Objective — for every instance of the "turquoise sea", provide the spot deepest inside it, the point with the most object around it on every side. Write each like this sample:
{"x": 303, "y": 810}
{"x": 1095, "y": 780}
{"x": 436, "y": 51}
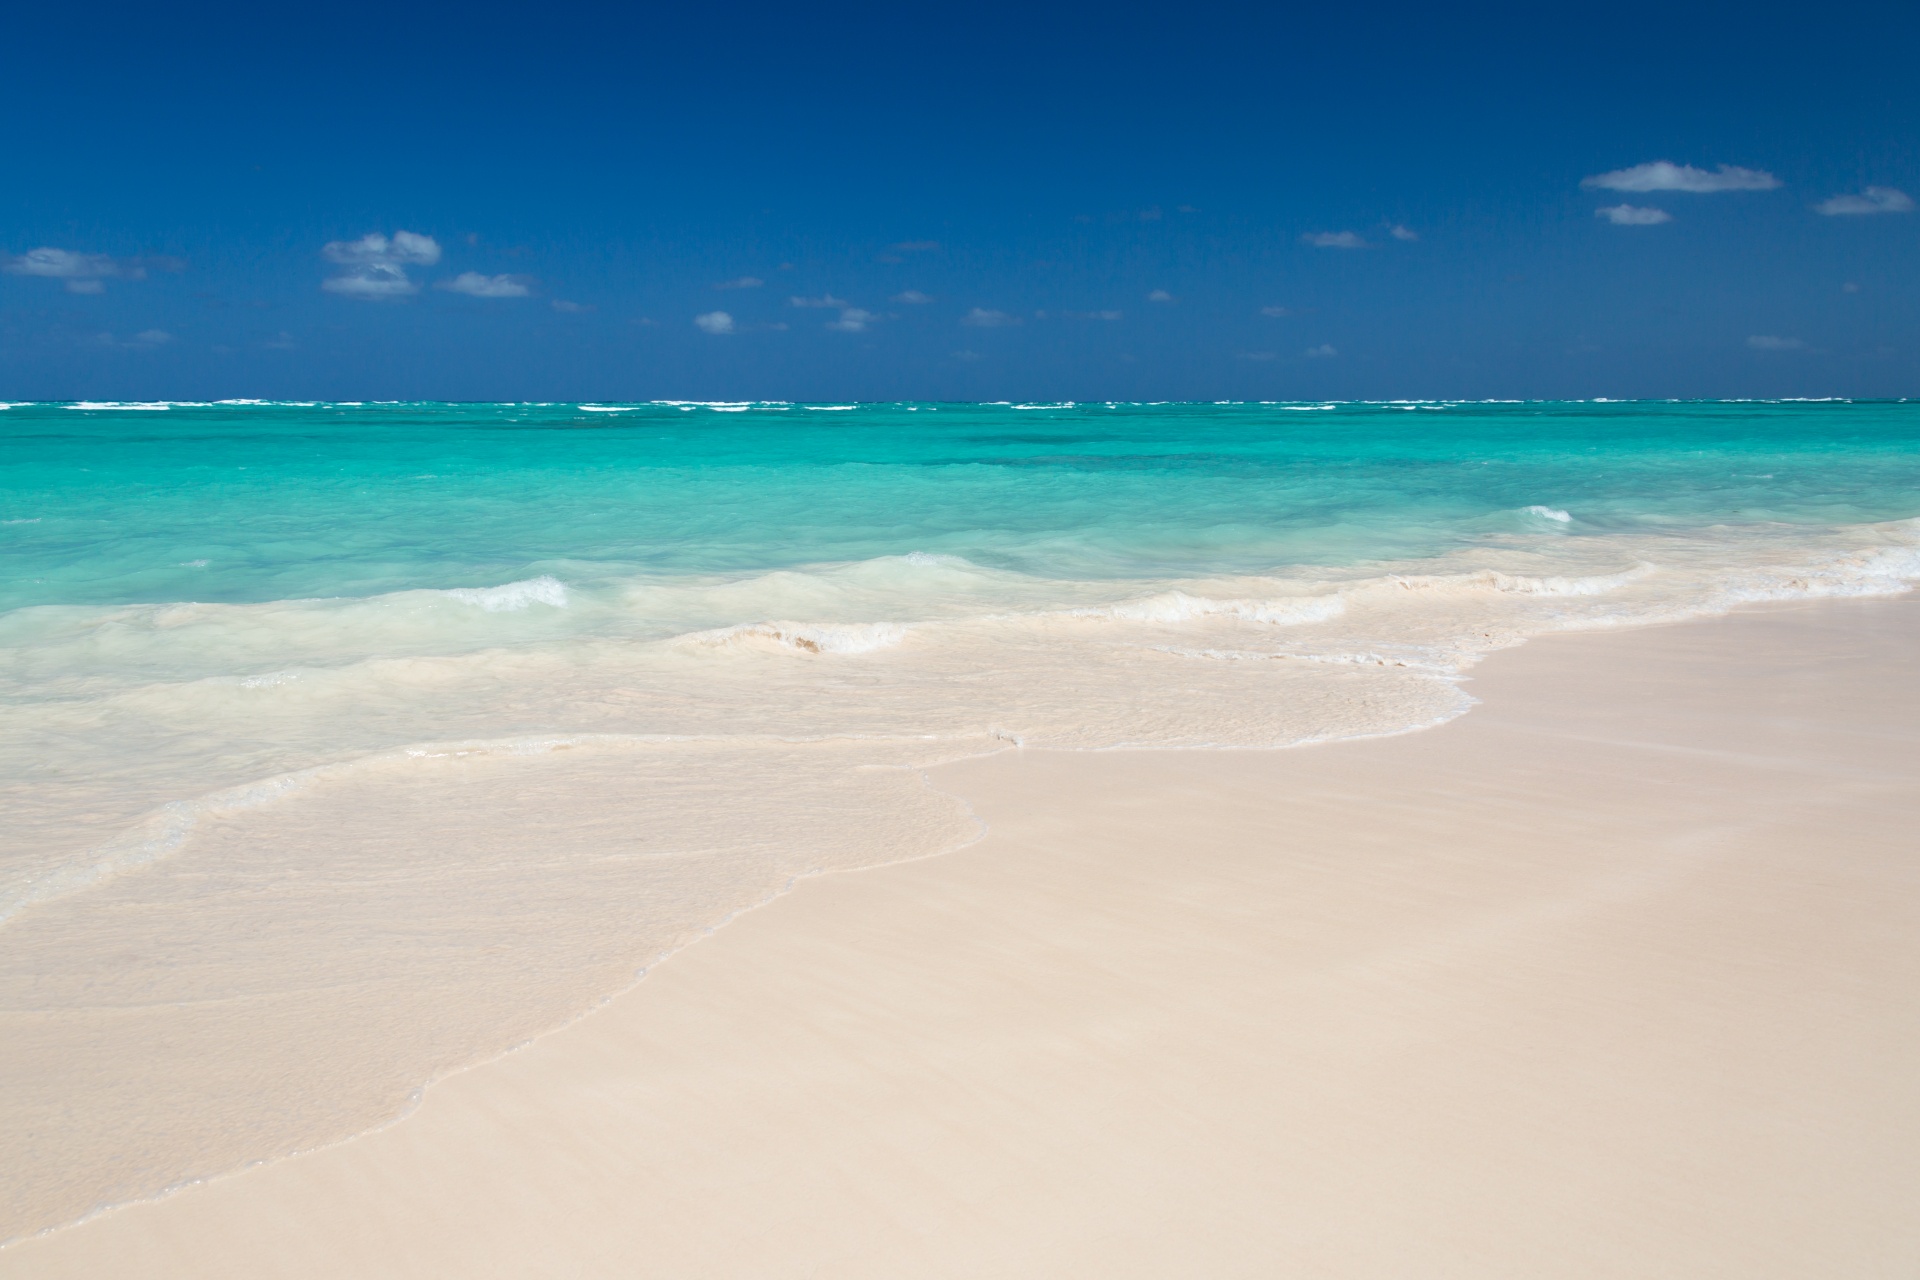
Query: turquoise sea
{"x": 239, "y": 503}
{"x": 367, "y": 740}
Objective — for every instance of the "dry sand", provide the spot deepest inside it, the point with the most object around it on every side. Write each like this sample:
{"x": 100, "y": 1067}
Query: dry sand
{"x": 1617, "y": 976}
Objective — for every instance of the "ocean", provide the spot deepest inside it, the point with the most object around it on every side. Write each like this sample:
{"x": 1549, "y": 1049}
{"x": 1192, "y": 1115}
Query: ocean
{"x": 350, "y": 744}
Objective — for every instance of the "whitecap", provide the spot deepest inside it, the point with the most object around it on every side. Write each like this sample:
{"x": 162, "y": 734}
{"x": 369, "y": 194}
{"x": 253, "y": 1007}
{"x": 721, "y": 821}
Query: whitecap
{"x": 1548, "y": 513}
{"x": 116, "y": 404}
{"x": 513, "y": 596}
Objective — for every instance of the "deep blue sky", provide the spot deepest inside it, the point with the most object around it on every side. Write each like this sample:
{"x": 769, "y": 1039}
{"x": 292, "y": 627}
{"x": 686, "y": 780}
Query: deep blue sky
{"x": 1052, "y": 169}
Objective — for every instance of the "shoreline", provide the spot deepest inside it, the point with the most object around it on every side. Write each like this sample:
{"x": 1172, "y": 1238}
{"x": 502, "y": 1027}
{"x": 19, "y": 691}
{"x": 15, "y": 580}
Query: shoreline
{"x": 317, "y": 1203}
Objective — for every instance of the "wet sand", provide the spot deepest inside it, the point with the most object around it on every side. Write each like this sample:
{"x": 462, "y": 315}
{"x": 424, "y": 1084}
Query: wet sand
{"x": 1619, "y": 975}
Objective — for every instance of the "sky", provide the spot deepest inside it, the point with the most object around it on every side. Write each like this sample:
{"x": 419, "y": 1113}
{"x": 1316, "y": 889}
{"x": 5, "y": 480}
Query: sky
{"x": 974, "y": 202}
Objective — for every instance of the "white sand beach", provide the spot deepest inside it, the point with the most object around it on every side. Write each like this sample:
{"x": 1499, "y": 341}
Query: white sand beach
{"x": 1618, "y": 975}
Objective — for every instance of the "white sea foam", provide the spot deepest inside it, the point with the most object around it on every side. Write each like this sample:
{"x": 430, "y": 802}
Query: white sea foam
{"x": 158, "y": 405}
{"x": 1513, "y": 583}
{"x": 805, "y": 637}
{"x": 1178, "y": 606}
{"x": 1548, "y": 513}
{"x": 513, "y": 596}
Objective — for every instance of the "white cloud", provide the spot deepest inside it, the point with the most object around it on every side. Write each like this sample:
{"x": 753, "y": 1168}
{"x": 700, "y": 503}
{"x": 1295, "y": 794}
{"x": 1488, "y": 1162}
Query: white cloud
{"x": 373, "y": 280}
{"x": 913, "y": 297}
{"x": 409, "y": 247}
{"x": 1096, "y": 315}
{"x": 475, "y": 285}
{"x": 852, "y": 320}
{"x": 62, "y": 264}
{"x": 562, "y": 304}
{"x": 1399, "y": 232}
{"x": 1664, "y": 175}
{"x": 83, "y": 272}
{"x": 1333, "y": 240}
{"x": 987, "y": 318}
{"x": 743, "y": 282}
{"x": 1870, "y": 200}
{"x": 1275, "y": 312}
{"x": 1767, "y": 342}
{"x": 715, "y": 322}
{"x": 145, "y": 340}
{"x": 824, "y": 300}
{"x": 1324, "y": 351}
{"x": 1159, "y": 295}
{"x": 1628, "y": 215}
{"x": 377, "y": 266}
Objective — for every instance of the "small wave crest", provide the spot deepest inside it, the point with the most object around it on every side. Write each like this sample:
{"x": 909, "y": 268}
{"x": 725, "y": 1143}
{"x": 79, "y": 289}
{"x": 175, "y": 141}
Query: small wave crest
{"x": 1549, "y": 513}
{"x": 1879, "y": 572}
{"x": 512, "y": 597}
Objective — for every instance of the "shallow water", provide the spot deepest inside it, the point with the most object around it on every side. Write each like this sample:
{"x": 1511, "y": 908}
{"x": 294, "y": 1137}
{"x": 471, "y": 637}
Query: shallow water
{"x": 346, "y": 745}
